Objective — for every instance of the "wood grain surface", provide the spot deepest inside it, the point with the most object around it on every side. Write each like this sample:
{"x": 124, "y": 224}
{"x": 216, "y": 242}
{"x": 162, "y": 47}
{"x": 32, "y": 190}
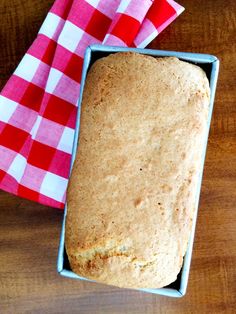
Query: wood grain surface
{"x": 29, "y": 232}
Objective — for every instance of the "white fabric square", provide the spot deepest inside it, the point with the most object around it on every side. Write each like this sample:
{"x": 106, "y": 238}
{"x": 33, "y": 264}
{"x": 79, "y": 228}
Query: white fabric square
{"x": 17, "y": 167}
{"x": 7, "y": 108}
{"x": 34, "y": 130}
{"x": 53, "y": 186}
{"x": 53, "y": 79}
{"x": 94, "y": 3}
{"x": 123, "y": 5}
{"x": 50, "y": 25}
{"x": 66, "y": 140}
{"x": 70, "y": 36}
{"x": 148, "y": 39}
{"x": 27, "y": 67}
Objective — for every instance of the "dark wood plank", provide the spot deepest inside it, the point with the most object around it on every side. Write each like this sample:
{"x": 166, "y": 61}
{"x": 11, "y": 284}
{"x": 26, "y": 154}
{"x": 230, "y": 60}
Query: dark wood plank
{"x": 29, "y": 232}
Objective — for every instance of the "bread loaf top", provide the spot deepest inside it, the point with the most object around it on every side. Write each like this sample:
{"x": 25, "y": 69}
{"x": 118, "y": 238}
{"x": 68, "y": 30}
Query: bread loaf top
{"x": 132, "y": 192}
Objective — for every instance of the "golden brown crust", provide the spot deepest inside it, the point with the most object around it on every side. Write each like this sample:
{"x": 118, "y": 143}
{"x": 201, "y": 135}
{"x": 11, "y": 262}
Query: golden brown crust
{"x": 132, "y": 192}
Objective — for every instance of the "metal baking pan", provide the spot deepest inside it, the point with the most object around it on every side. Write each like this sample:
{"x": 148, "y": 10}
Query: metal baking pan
{"x": 210, "y": 64}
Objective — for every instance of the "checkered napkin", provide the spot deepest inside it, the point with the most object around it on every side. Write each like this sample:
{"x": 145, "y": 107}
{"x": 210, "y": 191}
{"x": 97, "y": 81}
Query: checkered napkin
{"x": 38, "y": 105}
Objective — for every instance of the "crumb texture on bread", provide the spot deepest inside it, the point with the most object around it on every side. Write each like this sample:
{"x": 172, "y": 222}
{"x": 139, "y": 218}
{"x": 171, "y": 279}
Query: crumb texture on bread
{"x": 131, "y": 195}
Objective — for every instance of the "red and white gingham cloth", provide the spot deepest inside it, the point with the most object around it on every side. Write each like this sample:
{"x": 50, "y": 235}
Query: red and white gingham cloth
{"x": 38, "y": 105}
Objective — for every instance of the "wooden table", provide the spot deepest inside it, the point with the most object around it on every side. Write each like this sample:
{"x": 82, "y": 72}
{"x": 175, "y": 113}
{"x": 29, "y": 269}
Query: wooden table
{"x": 29, "y": 232}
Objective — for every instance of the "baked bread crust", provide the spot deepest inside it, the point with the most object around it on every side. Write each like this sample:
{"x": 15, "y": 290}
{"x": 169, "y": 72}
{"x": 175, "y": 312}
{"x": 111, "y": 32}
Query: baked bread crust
{"x": 131, "y": 195}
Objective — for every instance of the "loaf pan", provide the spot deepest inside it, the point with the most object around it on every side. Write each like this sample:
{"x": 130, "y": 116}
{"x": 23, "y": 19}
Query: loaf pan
{"x": 210, "y": 64}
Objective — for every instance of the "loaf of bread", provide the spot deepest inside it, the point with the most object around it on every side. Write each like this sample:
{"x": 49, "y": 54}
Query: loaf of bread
{"x": 132, "y": 193}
